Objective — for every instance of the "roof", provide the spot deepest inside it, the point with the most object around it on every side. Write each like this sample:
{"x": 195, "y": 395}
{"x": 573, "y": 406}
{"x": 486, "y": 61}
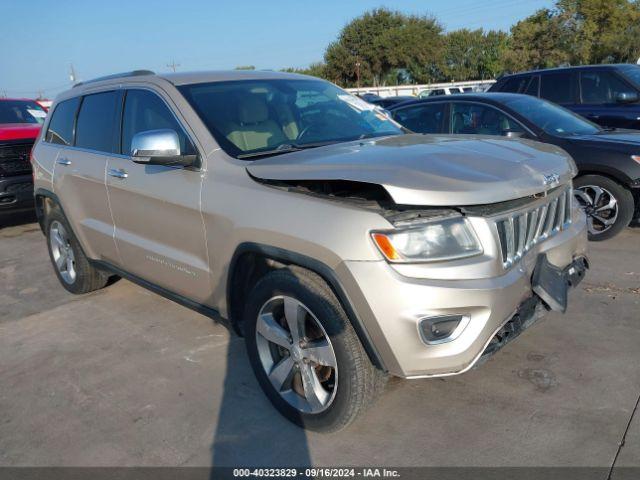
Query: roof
{"x": 495, "y": 97}
{"x": 575, "y": 67}
{"x": 184, "y": 78}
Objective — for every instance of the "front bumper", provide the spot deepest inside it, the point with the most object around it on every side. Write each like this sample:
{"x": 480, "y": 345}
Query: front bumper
{"x": 16, "y": 193}
{"x": 391, "y": 306}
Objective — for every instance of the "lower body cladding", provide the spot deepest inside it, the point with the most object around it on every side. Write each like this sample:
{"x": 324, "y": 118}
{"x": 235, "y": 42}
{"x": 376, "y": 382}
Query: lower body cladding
{"x": 432, "y": 328}
{"x": 16, "y": 193}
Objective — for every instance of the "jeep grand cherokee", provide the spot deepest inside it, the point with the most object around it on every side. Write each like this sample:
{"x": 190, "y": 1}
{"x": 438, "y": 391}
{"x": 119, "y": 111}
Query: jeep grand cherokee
{"x": 341, "y": 247}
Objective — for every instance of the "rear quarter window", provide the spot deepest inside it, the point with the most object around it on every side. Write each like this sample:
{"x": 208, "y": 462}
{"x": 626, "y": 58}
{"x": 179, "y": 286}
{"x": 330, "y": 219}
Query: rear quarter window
{"x": 60, "y": 130}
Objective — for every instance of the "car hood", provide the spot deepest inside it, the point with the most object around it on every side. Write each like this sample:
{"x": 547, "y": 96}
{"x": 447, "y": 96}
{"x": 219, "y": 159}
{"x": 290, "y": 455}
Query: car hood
{"x": 616, "y": 137}
{"x": 433, "y": 170}
{"x": 18, "y": 131}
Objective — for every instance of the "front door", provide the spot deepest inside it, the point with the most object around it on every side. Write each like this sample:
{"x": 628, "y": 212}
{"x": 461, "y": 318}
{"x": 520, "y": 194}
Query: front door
{"x": 159, "y": 231}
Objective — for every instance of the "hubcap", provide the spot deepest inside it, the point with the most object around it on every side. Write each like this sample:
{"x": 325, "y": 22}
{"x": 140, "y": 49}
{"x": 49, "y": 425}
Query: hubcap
{"x": 62, "y": 252}
{"x": 600, "y": 206}
{"x": 296, "y": 354}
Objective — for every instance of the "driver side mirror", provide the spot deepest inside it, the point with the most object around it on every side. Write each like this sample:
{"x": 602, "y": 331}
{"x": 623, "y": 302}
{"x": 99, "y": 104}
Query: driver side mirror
{"x": 512, "y": 133}
{"x": 627, "y": 97}
{"x": 159, "y": 147}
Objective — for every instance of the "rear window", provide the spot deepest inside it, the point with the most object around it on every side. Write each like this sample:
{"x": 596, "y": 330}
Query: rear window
{"x": 21, "y": 111}
{"x": 557, "y": 87}
{"x": 60, "y": 129}
{"x": 421, "y": 118}
{"x": 96, "y": 122}
{"x": 514, "y": 85}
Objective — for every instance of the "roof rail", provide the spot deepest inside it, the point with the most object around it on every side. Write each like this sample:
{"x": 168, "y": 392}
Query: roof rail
{"x": 134, "y": 73}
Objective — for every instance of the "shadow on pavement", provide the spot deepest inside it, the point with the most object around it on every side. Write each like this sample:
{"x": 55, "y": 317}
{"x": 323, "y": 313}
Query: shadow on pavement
{"x": 14, "y": 219}
{"x": 250, "y": 431}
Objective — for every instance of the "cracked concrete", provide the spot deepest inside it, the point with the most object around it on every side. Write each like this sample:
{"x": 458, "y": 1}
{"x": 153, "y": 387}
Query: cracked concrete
{"x": 125, "y": 377}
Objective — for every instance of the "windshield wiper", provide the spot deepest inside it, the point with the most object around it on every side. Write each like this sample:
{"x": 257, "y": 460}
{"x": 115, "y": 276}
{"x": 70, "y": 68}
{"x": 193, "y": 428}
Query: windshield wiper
{"x": 284, "y": 148}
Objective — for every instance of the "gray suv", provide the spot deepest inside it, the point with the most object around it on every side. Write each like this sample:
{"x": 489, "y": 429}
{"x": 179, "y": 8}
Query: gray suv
{"x": 343, "y": 248}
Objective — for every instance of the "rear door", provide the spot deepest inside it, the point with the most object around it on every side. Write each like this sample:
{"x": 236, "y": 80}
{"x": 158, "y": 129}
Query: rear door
{"x": 79, "y": 172}
{"x": 156, "y": 209}
{"x": 560, "y": 87}
{"x": 422, "y": 117}
{"x": 598, "y": 91}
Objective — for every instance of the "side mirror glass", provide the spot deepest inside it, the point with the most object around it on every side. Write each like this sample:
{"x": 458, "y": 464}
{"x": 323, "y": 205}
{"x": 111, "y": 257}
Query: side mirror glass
{"x": 159, "y": 147}
{"x": 627, "y": 97}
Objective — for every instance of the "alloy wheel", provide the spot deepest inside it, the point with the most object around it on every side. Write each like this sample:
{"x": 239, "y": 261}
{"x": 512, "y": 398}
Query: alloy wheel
{"x": 62, "y": 252}
{"x": 296, "y": 354}
{"x": 600, "y": 206}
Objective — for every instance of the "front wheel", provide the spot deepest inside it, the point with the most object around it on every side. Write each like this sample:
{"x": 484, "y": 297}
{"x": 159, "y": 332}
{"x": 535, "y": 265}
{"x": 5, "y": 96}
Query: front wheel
{"x": 305, "y": 353}
{"x": 608, "y": 205}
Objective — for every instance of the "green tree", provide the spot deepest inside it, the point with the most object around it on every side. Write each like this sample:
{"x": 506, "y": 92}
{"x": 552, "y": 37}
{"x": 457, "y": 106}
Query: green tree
{"x": 317, "y": 69}
{"x": 374, "y": 44}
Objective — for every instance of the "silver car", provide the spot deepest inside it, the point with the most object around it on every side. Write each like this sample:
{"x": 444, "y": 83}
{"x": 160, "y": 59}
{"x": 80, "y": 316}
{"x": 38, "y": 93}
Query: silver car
{"x": 343, "y": 248}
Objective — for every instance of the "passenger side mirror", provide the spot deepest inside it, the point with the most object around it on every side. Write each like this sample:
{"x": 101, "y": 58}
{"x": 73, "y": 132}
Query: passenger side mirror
{"x": 627, "y": 97}
{"x": 159, "y": 147}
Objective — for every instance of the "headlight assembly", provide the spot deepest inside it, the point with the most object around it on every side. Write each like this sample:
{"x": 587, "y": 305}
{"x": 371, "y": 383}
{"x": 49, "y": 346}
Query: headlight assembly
{"x": 445, "y": 239}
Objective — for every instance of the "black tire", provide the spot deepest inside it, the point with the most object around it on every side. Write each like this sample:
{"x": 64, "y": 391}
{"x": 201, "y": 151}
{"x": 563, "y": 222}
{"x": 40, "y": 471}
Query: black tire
{"x": 87, "y": 278}
{"x": 623, "y": 197}
{"x": 358, "y": 381}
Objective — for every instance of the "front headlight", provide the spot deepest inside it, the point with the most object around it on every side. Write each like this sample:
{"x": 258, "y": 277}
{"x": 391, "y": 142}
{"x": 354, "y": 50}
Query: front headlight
{"x": 446, "y": 239}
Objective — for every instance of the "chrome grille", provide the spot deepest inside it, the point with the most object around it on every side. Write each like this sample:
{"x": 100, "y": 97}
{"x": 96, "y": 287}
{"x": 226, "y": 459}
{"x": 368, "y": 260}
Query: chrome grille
{"x": 521, "y": 230}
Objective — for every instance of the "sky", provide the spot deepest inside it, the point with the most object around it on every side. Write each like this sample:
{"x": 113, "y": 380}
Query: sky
{"x": 40, "y": 39}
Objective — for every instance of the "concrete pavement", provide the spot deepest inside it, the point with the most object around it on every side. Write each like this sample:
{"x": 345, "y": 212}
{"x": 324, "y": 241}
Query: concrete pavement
{"x": 125, "y": 377}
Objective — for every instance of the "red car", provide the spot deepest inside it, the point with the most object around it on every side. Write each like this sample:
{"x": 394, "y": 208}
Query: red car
{"x": 20, "y": 123}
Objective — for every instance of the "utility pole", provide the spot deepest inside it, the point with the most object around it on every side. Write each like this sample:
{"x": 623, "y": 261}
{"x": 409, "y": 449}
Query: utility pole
{"x": 173, "y": 65}
{"x": 358, "y": 73}
{"x": 72, "y": 74}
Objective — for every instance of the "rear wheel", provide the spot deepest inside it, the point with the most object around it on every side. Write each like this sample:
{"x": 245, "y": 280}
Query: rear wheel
{"x": 608, "y": 205}
{"x": 305, "y": 353}
{"x": 72, "y": 268}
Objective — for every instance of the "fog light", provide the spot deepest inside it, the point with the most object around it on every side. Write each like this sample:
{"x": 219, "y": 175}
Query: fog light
{"x": 441, "y": 329}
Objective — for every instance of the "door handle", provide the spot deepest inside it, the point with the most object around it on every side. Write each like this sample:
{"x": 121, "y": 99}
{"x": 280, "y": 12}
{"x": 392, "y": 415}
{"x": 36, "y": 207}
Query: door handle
{"x": 117, "y": 173}
{"x": 63, "y": 161}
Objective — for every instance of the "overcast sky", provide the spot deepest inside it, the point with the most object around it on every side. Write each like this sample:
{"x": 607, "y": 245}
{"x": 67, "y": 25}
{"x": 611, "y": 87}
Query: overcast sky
{"x": 39, "y": 39}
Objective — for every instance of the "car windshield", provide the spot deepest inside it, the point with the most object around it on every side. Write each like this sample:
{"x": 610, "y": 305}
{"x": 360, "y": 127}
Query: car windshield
{"x": 551, "y": 118}
{"x": 253, "y": 118}
{"x": 21, "y": 111}
{"x": 632, "y": 73}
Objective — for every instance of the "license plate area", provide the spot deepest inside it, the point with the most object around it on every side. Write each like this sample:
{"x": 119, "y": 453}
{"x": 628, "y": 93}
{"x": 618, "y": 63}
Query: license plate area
{"x": 552, "y": 283}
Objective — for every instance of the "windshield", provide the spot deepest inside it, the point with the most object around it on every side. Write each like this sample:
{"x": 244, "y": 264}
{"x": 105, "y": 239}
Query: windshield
{"x": 632, "y": 73}
{"x": 551, "y": 118}
{"x": 275, "y": 116}
{"x": 21, "y": 111}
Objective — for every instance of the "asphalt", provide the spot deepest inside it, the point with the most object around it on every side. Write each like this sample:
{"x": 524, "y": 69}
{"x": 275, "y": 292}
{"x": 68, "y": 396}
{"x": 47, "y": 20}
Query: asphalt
{"x": 123, "y": 377}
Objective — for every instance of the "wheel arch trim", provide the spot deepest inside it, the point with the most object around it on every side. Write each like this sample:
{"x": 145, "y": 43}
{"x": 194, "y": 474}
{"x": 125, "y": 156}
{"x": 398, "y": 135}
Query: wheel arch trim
{"x": 319, "y": 268}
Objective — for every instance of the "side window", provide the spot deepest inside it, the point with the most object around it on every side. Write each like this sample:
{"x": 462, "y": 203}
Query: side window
{"x": 557, "y": 87}
{"x": 144, "y": 110}
{"x": 60, "y": 130}
{"x": 471, "y": 118}
{"x": 96, "y": 122}
{"x": 421, "y": 118}
{"x": 601, "y": 87}
{"x": 534, "y": 86}
{"x": 515, "y": 84}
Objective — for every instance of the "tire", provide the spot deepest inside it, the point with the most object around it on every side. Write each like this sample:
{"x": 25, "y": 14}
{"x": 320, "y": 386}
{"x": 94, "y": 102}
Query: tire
{"x": 603, "y": 191}
{"x": 63, "y": 244}
{"x": 346, "y": 390}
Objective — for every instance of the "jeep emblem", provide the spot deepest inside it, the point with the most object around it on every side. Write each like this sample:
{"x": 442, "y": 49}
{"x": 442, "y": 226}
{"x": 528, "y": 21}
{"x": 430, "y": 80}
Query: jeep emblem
{"x": 551, "y": 179}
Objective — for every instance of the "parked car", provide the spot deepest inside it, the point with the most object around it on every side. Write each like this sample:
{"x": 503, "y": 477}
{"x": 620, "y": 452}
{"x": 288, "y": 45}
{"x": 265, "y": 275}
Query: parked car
{"x": 608, "y": 183}
{"x": 390, "y": 101}
{"x": 436, "y": 92}
{"x": 20, "y": 122}
{"x": 608, "y": 95}
{"x": 343, "y": 249}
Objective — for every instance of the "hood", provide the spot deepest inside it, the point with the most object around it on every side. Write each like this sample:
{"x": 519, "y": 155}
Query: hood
{"x": 431, "y": 170}
{"x": 615, "y": 137}
{"x": 19, "y": 131}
